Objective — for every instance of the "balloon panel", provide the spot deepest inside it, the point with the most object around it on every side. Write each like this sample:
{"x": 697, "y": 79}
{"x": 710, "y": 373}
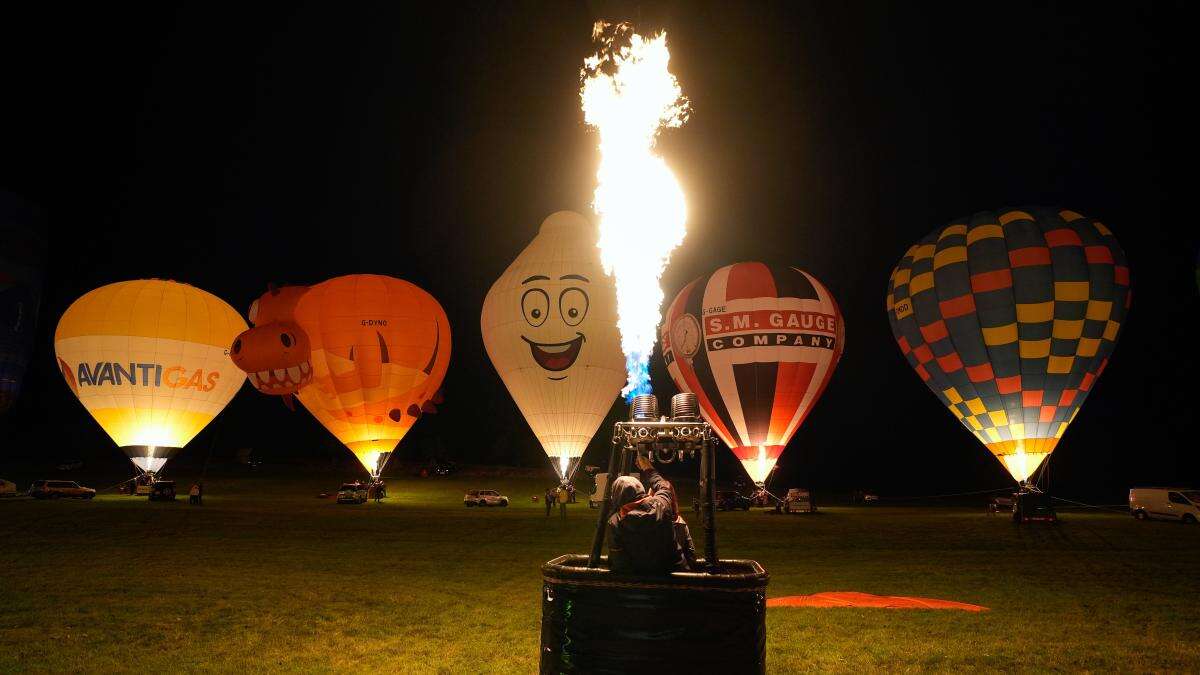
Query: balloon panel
{"x": 757, "y": 345}
{"x": 1009, "y": 318}
{"x": 380, "y": 347}
{"x": 549, "y": 325}
{"x": 22, "y": 263}
{"x": 149, "y": 361}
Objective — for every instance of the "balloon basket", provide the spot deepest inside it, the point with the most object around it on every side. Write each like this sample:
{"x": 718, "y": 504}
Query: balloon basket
{"x": 710, "y": 619}
{"x": 595, "y": 621}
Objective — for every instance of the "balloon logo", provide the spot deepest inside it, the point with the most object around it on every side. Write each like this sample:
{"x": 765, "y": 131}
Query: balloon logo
{"x": 365, "y": 354}
{"x": 550, "y": 328}
{"x": 1009, "y": 318}
{"x": 149, "y": 361}
{"x": 757, "y": 345}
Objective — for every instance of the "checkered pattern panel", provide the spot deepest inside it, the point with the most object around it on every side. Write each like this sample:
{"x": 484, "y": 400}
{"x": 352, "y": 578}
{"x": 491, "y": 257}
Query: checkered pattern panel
{"x": 1009, "y": 318}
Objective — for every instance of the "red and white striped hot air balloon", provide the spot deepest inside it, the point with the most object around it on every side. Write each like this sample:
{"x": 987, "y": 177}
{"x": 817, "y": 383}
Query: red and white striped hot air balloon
{"x": 757, "y": 345}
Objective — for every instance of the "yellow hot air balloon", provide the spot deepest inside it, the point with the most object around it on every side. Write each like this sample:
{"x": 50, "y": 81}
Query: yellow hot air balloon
{"x": 149, "y": 359}
{"x": 550, "y": 328}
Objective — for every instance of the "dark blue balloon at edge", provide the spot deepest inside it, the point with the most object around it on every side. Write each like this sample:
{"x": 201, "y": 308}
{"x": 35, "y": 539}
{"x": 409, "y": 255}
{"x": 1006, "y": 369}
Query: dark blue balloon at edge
{"x": 22, "y": 273}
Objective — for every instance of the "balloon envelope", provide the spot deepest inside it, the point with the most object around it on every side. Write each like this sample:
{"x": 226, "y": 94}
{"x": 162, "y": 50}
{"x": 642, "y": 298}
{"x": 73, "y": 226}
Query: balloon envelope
{"x": 364, "y": 353}
{"x": 1009, "y": 318}
{"x": 757, "y": 345}
{"x": 149, "y": 359}
{"x": 22, "y": 264}
{"x": 550, "y": 328}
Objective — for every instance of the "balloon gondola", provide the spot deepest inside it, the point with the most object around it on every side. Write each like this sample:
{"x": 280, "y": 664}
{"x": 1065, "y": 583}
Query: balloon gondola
{"x": 715, "y": 615}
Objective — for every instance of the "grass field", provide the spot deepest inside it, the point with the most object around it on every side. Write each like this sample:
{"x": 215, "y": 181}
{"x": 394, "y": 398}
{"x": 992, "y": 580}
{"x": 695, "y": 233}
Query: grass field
{"x": 266, "y": 576}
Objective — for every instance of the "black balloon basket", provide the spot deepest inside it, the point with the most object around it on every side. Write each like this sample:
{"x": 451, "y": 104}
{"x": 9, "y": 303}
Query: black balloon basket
{"x": 709, "y": 620}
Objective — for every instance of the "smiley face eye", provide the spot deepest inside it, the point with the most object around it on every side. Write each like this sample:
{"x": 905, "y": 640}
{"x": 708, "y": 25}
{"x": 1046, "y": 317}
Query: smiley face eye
{"x": 573, "y": 305}
{"x": 535, "y": 304}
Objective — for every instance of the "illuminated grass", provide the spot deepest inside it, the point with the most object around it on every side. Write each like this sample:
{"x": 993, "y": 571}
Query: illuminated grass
{"x": 265, "y": 576}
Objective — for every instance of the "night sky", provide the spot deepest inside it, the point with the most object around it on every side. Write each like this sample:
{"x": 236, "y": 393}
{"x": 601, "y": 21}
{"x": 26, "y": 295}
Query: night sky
{"x": 232, "y": 147}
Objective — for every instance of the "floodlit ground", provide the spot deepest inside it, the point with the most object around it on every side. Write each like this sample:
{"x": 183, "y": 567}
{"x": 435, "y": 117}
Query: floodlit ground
{"x": 267, "y": 576}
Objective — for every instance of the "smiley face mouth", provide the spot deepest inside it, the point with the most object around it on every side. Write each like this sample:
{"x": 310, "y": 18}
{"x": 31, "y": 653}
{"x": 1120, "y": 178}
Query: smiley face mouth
{"x": 557, "y": 356}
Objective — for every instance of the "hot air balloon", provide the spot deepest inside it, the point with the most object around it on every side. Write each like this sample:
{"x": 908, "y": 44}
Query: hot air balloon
{"x": 364, "y": 353}
{"x": 149, "y": 359}
{"x": 550, "y": 328}
{"x": 22, "y": 259}
{"x": 757, "y": 345}
{"x": 1009, "y": 318}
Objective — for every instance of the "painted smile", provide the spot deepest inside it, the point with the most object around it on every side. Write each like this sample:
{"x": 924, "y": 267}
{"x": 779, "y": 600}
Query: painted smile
{"x": 282, "y": 380}
{"x": 555, "y": 356}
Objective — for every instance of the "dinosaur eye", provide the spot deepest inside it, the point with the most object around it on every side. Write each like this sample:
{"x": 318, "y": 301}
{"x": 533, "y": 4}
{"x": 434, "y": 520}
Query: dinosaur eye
{"x": 535, "y": 304}
{"x": 286, "y": 339}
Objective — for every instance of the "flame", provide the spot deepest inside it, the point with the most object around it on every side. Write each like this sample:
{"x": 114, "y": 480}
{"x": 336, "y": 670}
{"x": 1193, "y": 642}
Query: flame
{"x": 628, "y": 95}
{"x": 759, "y": 467}
{"x": 1021, "y": 464}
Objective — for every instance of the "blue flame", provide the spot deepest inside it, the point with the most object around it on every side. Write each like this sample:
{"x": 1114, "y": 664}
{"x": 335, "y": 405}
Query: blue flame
{"x": 637, "y": 366}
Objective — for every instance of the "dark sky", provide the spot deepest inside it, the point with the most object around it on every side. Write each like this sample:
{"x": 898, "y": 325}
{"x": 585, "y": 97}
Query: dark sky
{"x": 230, "y": 147}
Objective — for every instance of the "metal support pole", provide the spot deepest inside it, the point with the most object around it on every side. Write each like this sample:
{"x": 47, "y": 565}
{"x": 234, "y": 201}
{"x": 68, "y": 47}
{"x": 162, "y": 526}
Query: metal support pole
{"x": 708, "y": 492}
{"x": 614, "y": 457}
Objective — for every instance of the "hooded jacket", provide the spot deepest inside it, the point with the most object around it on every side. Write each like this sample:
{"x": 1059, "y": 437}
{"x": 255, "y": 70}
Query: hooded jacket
{"x": 641, "y": 533}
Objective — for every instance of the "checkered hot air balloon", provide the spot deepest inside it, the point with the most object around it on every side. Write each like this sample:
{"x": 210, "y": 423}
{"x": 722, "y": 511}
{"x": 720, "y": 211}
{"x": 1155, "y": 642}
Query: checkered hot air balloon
{"x": 1009, "y": 318}
{"x": 757, "y": 345}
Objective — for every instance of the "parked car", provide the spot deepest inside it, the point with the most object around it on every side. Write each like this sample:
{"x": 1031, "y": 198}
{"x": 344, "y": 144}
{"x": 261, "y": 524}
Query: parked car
{"x": 352, "y": 493}
{"x": 999, "y": 504}
{"x": 729, "y": 500}
{"x": 1029, "y": 507}
{"x": 162, "y": 491}
{"x": 1179, "y": 504}
{"x": 57, "y": 489}
{"x": 484, "y": 498}
{"x": 799, "y": 500}
{"x": 8, "y": 488}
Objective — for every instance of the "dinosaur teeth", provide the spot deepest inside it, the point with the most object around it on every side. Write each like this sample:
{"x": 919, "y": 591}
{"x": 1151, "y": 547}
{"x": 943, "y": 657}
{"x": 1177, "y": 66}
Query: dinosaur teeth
{"x": 294, "y": 374}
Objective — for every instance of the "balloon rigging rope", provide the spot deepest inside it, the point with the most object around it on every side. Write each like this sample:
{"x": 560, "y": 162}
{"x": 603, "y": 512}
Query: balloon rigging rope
{"x": 950, "y": 494}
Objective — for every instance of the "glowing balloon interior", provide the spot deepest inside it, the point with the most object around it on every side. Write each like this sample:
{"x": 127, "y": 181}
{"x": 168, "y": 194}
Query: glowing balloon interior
{"x": 149, "y": 361}
{"x": 365, "y": 354}
{"x": 549, "y": 325}
{"x": 757, "y": 345}
{"x": 1009, "y": 318}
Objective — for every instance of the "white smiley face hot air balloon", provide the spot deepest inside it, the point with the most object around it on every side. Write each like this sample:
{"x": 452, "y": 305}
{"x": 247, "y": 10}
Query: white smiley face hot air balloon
{"x": 550, "y": 328}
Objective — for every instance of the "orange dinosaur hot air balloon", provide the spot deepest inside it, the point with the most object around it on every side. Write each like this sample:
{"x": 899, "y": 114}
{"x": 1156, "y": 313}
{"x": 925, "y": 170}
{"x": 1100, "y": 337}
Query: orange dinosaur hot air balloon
{"x": 364, "y": 353}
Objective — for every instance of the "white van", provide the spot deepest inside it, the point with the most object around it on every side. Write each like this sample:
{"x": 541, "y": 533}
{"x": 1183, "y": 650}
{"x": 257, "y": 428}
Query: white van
{"x": 1165, "y": 503}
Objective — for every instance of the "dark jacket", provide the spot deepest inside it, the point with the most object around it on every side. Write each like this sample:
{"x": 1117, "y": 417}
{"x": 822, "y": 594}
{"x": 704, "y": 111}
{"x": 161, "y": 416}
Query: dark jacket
{"x": 641, "y": 533}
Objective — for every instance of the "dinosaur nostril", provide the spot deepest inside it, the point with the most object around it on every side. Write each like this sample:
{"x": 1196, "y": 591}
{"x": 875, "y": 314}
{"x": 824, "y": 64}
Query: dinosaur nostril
{"x": 285, "y": 339}
{"x": 237, "y": 345}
